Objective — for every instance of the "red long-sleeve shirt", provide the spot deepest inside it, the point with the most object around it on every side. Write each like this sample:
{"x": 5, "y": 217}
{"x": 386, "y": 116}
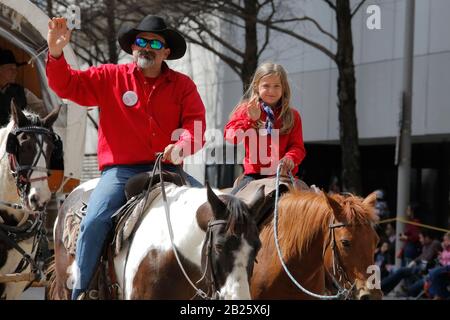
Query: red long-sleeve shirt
{"x": 289, "y": 145}
{"x": 133, "y": 134}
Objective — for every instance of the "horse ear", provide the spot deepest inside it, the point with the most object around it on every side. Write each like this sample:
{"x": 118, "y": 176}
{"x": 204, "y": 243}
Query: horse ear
{"x": 18, "y": 116}
{"x": 334, "y": 205}
{"x": 370, "y": 200}
{"x": 257, "y": 201}
{"x": 50, "y": 119}
{"x": 217, "y": 205}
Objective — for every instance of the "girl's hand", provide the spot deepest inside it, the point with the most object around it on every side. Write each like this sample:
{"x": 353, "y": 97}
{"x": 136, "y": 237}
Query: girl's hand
{"x": 287, "y": 165}
{"x": 254, "y": 111}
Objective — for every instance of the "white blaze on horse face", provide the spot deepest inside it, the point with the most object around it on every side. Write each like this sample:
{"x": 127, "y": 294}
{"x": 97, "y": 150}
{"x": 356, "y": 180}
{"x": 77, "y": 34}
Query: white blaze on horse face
{"x": 236, "y": 286}
{"x": 39, "y": 193}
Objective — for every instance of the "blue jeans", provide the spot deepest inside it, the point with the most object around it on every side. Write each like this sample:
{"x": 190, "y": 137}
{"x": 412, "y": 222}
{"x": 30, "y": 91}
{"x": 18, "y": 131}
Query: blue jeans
{"x": 392, "y": 280}
{"x": 107, "y": 197}
{"x": 439, "y": 278}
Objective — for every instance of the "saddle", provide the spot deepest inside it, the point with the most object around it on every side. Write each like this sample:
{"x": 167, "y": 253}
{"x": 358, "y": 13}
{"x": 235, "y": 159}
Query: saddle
{"x": 139, "y": 194}
{"x": 249, "y": 190}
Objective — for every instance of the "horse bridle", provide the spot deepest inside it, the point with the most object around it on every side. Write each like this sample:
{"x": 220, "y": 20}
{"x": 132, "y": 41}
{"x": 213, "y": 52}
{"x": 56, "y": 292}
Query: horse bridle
{"x": 12, "y": 235}
{"x": 211, "y": 275}
{"x": 343, "y": 292}
{"x": 22, "y": 173}
{"x": 338, "y": 269}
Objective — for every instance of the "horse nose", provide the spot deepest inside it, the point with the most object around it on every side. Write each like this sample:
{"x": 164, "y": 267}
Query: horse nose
{"x": 369, "y": 294}
{"x": 34, "y": 199}
{"x": 364, "y": 297}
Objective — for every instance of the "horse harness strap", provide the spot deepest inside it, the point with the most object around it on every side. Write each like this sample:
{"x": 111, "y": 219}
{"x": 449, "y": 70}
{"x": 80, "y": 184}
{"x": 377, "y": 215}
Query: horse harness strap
{"x": 12, "y": 235}
{"x": 114, "y": 287}
{"x": 12, "y": 205}
{"x": 339, "y": 295}
{"x": 198, "y": 291}
{"x": 17, "y": 170}
{"x": 337, "y": 265}
{"x": 209, "y": 273}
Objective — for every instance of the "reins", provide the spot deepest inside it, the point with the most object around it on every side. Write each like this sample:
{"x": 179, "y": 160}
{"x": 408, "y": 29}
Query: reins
{"x": 342, "y": 293}
{"x": 198, "y": 291}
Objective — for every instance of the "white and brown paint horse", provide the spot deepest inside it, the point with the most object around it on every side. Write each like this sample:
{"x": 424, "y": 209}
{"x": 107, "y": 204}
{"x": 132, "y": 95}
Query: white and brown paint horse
{"x": 147, "y": 267}
{"x": 23, "y": 197}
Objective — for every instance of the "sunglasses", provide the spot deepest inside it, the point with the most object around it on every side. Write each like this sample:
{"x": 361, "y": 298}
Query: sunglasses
{"x": 154, "y": 43}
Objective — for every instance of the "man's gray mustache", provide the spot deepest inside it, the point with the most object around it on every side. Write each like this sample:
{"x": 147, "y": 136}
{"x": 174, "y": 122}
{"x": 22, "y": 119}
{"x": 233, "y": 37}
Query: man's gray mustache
{"x": 146, "y": 55}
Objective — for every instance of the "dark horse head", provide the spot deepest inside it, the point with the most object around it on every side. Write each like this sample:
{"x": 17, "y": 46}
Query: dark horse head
{"x": 33, "y": 148}
{"x": 231, "y": 244}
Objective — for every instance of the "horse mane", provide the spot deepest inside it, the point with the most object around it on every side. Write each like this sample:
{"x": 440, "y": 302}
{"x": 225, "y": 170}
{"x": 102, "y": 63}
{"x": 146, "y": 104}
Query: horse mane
{"x": 238, "y": 218}
{"x": 33, "y": 118}
{"x": 355, "y": 210}
{"x": 303, "y": 215}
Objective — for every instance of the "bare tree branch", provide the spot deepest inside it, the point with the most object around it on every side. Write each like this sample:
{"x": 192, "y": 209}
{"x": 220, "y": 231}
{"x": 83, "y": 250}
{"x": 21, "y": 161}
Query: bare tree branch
{"x": 215, "y": 37}
{"x": 266, "y": 41}
{"x": 234, "y": 65}
{"x": 332, "y": 5}
{"x": 302, "y": 38}
{"x": 318, "y": 26}
{"x": 358, "y": 7}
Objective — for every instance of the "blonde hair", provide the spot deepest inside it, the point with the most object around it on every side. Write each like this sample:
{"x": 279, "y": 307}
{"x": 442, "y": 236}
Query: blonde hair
{"x": 267, "y": 69}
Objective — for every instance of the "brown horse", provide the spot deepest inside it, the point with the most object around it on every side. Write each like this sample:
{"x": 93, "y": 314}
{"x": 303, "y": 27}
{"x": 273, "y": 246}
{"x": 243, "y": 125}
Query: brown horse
{"x": 310, "y": 225}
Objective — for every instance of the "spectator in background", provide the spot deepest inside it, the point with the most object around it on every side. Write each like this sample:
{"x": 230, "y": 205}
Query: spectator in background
{"x": 389, "y": 236}
{"x": 438, "y": 279}
{"x": 381, "y": 206}
{"x": 383, "y": 259}
{"x": 9, "y": 89}
{"x": 334, "y": 185}
{"x": 411, "y": 247}
{"x": 416, "y": 268}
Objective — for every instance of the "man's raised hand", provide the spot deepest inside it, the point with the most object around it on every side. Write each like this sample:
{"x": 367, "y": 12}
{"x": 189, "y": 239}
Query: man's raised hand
{"x": 58, "y": 36}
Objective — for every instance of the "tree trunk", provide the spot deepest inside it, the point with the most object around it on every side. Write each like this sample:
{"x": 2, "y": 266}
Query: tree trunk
{"x": 250, "y": 61}
{"x": 351, "y": 171}
{"x": 50, "y": 8}
{"x": 112, "y": 32}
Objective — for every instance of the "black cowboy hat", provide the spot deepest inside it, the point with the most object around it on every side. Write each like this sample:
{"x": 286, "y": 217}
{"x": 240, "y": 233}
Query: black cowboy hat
{"x": 154, "y": 24}
{"x": 7, "y": 57}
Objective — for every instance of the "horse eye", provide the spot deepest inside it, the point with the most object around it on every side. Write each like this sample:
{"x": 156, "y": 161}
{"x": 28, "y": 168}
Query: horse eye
{"x": 218, "y": 247}
{"x": 24, "y": 137}
{"x": 345, "y": 243}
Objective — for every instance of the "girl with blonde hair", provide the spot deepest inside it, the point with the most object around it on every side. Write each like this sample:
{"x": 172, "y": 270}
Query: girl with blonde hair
{"x": 266, "y": 111}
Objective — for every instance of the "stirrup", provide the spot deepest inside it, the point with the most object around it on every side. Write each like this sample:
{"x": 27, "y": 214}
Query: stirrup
{"x": 82, "y": 296}
{"x": 88, "y": 295}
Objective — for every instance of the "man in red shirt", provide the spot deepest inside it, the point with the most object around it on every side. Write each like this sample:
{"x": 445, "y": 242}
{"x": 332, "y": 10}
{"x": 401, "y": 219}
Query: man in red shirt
{"x": 145, "y": 108}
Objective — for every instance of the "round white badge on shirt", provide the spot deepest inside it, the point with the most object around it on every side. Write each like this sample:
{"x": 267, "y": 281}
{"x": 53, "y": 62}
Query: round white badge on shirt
{"x": 130, "y": 98}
